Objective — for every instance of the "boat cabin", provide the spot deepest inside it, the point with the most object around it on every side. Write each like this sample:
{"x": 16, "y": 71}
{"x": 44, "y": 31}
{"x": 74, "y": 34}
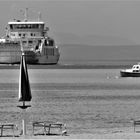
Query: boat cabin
{"x": 136, "y": 68}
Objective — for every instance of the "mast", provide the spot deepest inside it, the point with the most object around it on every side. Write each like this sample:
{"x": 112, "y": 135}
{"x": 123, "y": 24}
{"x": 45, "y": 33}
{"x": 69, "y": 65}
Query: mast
{"x": 39, "y": 16}
{"x": 26, "y": 14}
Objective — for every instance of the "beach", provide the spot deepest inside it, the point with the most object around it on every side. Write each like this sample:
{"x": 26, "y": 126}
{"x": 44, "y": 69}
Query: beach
{"x": 93, "y": 103}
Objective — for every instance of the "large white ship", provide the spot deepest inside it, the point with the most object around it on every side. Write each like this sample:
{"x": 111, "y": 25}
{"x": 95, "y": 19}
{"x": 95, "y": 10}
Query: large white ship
{"x": 32, "y": 37}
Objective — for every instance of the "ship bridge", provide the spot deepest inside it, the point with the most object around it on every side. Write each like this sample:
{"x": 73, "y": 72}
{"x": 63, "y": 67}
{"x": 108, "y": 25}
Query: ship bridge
{"x": 18, "y": 29}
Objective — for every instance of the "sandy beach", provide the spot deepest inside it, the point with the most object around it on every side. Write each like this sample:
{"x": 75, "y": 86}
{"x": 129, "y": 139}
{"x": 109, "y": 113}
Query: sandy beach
{"x": 83, "y": 136}
{"x": 93, "y": 103}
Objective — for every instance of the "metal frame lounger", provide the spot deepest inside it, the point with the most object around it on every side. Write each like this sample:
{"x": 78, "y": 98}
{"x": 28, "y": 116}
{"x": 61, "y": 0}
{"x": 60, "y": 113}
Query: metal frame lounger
{"x": 47, "y": 126}
{"x": 6, "y": 126}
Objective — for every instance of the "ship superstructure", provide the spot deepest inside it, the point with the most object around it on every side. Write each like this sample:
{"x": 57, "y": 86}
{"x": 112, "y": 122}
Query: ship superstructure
{"x": 32, "y": 36}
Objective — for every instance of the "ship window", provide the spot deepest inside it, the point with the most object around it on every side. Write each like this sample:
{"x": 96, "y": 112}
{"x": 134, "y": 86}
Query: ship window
{"x": 29, "y": 26}
{"x": 14, "y": 26}
{"x": 41, "y": 26}
{"x": 26, "y": 26}
{"x": 11, "y": 26}
{"x": 24, "y": 42}
{"x": 46, "y": 43}
{"x": 30, "y": 41}
{"x": 34, "y": 26}
{"x": 51, "y": 42}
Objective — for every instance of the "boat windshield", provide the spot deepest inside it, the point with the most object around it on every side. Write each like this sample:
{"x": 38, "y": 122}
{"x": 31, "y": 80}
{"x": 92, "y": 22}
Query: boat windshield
{"x": 136, "y": 67}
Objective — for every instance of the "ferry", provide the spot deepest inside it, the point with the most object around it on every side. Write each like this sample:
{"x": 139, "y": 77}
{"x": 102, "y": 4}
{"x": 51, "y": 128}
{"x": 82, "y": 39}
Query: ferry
{"x": 133, "y": 72}
{"x": 32, "y": 38}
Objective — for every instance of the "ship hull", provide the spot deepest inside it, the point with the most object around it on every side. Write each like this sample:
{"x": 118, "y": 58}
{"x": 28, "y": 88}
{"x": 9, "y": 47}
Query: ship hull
{"x": 11, "y": 54}
{"x": 10, "y": 59}
{"x": 129, "y": 74}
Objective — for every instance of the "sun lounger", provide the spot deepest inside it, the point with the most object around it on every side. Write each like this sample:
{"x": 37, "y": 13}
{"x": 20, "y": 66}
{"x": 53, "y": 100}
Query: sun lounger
{"x": 47, "y": 126}
{"x": 136, "y": 123}
{"x": 6, "y": 126}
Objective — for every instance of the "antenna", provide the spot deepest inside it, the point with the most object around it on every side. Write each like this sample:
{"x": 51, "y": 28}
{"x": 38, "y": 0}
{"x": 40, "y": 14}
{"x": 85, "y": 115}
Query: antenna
{"x": 39, "y": 16}
{"x": 26, "y": 14}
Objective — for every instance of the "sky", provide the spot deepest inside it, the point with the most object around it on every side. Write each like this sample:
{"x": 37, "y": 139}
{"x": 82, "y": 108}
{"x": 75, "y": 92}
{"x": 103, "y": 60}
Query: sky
{"x": 93, "y": 21}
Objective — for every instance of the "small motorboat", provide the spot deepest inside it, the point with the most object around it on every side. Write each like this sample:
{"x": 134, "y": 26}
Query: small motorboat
{"x": 133, "y": 72}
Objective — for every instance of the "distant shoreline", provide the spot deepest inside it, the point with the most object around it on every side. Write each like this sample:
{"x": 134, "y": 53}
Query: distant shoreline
{"x": 67, "y": 66}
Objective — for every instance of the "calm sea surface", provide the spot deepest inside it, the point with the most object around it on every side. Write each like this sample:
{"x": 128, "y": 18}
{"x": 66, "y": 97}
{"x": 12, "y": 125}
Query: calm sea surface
{"x": 87, "y": 100}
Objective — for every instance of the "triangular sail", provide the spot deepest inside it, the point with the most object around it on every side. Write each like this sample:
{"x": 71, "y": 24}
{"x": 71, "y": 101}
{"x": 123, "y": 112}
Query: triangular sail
{"x": 24, "y": 85}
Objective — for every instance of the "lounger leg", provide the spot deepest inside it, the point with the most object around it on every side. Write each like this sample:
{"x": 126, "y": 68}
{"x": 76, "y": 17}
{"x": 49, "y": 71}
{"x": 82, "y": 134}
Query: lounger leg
{"x": 33, "y": 130}
{"x": 1, "y": 131}
{"x": 13, "y": 131}
{"x": 60, "y": 129}
{"x": 49, "y": 129}
{"x": 45, "y": 130}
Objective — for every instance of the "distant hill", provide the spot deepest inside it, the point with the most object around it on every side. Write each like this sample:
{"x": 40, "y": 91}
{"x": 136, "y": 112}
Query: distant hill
{"x": 80, "y": 52}
{"x": 83, "y": 48}
{"x": 69, "y": 38}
